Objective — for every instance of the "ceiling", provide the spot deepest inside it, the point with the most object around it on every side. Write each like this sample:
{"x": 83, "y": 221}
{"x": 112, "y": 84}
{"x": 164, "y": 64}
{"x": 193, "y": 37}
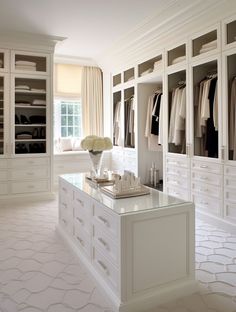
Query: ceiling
{"x": 90, "y": 26}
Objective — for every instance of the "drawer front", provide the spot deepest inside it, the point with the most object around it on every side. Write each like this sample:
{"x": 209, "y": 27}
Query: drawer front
{"x": 230, "y": 171}
{"x": 3, "y": 163}
{"x": 230, "y": 211}
{"x": 177, "y": 192}
{"x": 173, "y": 180}
{"x": 105, "y": 244}
{"x": 230, "y": 195}
{"x": 29, "y": 173}
{"x": 207, "y": 189}
{"x": 65, "y": 192}
{"x": 205, "y": 177}
{"x": 66, "y": 208}
{"x": 82, "y": 221}
{"x": 82, "y": 240}
{"x": 65, "y": 221}
{"x": 175, "y": 171}
{"x": 28, "y": 162}
{"x": 105, "y": 268}
{"x": 177, "y": 162}
{"x": 207, "y": 167}
{"x": 29, "y": 187}
{"x": 230, "y": 182}
{"x": 3, "y": 188}
{"x": 106, "y": 221}
{"x": 3, "y": 175}
{"x": 82, "y": 204}
{"x": 207, "y": 204}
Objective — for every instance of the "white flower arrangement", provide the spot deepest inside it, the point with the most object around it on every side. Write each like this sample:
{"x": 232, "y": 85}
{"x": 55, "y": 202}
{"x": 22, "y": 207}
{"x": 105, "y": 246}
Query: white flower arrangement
{"x": 96, "y": 144}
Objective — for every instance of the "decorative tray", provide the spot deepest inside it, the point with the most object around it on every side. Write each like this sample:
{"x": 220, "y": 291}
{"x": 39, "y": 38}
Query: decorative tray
{"x": 99, "y": 181}
{"x": 109, "y": 190}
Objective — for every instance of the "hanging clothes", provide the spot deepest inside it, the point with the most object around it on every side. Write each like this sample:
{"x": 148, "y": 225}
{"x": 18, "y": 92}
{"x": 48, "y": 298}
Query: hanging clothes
{"x": 117, "y": 124}
{"x": 154, "y": 122}
{"x": 129, "y": 122}
{"x": 206, "y": 117}
{"x": 232, "y": 119}
{"x": 177, "y": 116}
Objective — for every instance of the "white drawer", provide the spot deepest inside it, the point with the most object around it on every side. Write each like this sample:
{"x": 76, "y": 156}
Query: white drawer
{"x": 179, "y": 181}
{"x": 29, "y": 187}
{"x": 29, "y": 173}
{"x": 66, "y": 208}
{"x": 230, "y": 171}
{"x": 207, "y": 166}
{"x": 82, "y": 221}
{"x": 230, "y": 195}
{"x": 175, "y": 171}
{"x": 107, "y": 221}
{"x": 230, "y": 211}
{"x": 207, "y": 204}
{"x": 28, "y": 162}
{"x": 82, "y": 240}
{"x": 230, "y": 182}
{"x": 65, "y": 221}
{"x": 205, "y": 177}
{"x": 177, "y": 162}
{"x": 65, "y": 192}
{"x": 177, "y": 192}
{"x": 207, "y": 189}
{"x": 3, "y": 175}
{"x": 3, "y": 188}
{"x": 3, "y": 163}
{"x": 82, "y": 203}
{"x": 105, "y": 268}
{"x": 105, "y": 244}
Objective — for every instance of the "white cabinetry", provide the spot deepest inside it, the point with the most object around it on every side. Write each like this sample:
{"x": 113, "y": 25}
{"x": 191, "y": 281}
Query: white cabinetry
{"x": 127, "y": 244}
{"x": 26, "y": 117}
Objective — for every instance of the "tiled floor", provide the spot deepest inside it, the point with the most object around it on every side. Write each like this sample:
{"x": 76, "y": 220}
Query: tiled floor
{"x": 38, "y": 273}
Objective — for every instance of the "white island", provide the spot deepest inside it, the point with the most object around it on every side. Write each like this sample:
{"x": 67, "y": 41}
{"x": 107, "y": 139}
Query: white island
{"x": 140, "y": 250}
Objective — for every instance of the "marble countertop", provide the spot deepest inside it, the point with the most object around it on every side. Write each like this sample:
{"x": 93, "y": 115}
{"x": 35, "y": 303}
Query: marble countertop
{"x": 152, "y": 201}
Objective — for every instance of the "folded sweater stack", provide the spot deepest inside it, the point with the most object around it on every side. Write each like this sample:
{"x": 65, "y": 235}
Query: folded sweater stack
{"x": 25, "y": 65}
{"x": 208, "y": 46}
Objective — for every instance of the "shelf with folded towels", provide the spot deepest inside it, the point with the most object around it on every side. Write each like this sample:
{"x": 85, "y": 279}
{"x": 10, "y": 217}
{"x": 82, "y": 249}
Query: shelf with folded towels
{"x": 150, "y": 66}
{"x": 176, "y": 55}
{"x": 29, "y": 63}
{"x": 204, "y": 43}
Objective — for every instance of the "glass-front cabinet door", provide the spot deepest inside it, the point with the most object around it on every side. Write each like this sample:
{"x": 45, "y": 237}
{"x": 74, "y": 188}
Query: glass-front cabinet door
{"x": 3, "y": 113}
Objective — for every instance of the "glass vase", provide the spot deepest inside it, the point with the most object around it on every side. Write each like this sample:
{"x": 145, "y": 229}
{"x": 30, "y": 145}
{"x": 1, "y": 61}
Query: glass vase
{"x": 96, "y": 159}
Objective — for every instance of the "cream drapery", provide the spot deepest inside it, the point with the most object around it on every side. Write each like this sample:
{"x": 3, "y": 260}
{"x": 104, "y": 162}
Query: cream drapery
{"x": 92, "y": 101}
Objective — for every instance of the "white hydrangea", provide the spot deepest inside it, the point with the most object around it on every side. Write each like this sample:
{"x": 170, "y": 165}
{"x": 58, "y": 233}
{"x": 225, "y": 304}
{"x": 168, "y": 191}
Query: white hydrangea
{"x": 94, "y": 143}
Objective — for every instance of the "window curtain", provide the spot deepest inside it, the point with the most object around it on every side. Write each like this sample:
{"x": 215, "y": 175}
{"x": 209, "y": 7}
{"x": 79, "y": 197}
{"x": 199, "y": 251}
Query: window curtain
{"x": 92, "y": 101}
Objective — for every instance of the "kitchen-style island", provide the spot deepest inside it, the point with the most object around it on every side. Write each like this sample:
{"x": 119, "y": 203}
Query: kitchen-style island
{"x": 140, "y": 249}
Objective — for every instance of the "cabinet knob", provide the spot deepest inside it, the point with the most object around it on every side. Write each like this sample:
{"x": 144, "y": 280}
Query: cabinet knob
{"x": 103, "y": 242}
{"x": 80, "y": 240}
{"x": 80, "y": 220}
{"x": 103, "y": 220}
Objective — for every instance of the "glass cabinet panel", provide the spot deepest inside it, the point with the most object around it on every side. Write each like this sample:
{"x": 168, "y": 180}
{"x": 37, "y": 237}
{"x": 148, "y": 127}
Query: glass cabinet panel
{"x": 205, "y": 109}
{"x": 231, "y": 32}
{"x": 129, "y": 117}
{"x": 2, "y": 115}
{"x": 177, "y": 112}
{"x": 231, "y": 71}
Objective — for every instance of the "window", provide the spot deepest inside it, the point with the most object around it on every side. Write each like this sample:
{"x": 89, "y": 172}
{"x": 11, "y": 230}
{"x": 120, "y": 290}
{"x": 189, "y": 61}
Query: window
{"x": 68, "y": 118}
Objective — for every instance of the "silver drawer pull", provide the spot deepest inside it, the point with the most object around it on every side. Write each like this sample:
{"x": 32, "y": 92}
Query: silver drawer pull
{"x": 65, "y": 205}
{"x": 204, "y": 203}
{"x": 80, "y": 240}
{"x": 64, "y": 189}
{"x": 203, "y": 166}
{"x": 31, "y": 186}
{"x": 65, "y": 222}
{"x": 203, "y": 178}
{"x": 103, "y": 220}
{"x": 103, "y": 266}
{"x": 103, "y": 242}
{"x": 30, "y": 173}
{"x": 203, "y": 189}
{"x": 80, "y": 201}
{"x": 80, "y": 220}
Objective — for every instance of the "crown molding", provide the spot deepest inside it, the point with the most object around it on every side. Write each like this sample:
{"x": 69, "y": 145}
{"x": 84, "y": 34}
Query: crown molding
{"x": 66, "y": 59}
{"x": 169, "y": 25}
{"x": 21, "y": 40}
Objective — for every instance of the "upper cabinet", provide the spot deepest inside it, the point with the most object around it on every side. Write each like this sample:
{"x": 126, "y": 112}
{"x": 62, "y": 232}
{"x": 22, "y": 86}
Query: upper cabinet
{"x": 30, "y": 63}
{"x": 177, "y": 55}
{"x": 129, "y": 74}
{"x": 229, "y": 32}
{"x": 206, "y": 43}
{"x": 116, "y": 80}
{"x": 4, "y": 60}
{"x": 149, "y": 66}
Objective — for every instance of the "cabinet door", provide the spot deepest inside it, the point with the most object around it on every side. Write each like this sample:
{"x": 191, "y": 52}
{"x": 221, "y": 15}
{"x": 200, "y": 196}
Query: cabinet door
{"x": 4, "y": 60}
{"x": 30, "y": 114}
{"x": 4, "y": 115}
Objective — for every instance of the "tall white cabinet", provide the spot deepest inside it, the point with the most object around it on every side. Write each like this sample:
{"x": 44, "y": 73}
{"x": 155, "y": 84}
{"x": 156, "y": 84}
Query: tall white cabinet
{"x": 199, "y": 165}
{"x": 26, "y": 99}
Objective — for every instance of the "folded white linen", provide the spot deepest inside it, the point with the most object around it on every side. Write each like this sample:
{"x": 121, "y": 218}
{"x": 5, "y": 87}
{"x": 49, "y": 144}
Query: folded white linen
{"x": 39, "y": 102}
{"x": 149, "y": 70}
{"x": 38, "y": 90}
{"x": 179, "y": 59}
{"x": 22, "y": 87}
{"x": 21, "y": 67}
{"x": 25, "y": 63}
{"x": 204, "y": 50}
{"x": 209, "y": 44}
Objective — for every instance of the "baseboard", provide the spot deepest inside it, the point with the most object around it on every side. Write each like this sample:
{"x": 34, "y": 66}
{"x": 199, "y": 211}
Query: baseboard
{"x": 217, "y": 221}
